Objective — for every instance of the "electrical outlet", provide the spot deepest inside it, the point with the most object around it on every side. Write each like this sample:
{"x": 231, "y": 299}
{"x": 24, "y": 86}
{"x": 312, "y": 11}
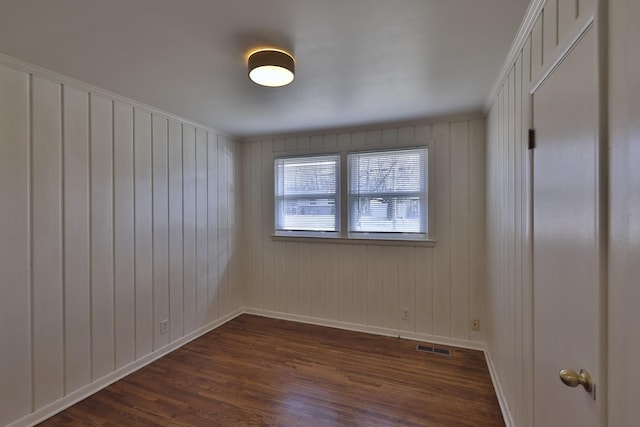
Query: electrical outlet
{"x": 406, "y": 314}
{"x": 475, "y": 325}
{"x": 164, "y": 326}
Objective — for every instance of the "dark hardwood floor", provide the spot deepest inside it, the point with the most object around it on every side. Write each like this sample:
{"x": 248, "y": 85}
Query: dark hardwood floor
{"x": 259, "y": 371}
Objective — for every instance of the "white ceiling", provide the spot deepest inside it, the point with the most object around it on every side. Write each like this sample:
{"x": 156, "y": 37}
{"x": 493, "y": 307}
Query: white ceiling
{"x": 358, "y": 62}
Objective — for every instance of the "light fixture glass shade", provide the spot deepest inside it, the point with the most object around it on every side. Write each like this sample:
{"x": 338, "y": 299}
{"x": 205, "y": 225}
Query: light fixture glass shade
{"x": 272, "y": 68}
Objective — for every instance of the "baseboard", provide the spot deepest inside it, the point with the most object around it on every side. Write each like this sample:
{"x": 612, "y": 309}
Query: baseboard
{"x": 435, "y": 339}
{"x": 84, "y": 392}
{"x": 95, "y": 386}
{"x": 502, "y": 401}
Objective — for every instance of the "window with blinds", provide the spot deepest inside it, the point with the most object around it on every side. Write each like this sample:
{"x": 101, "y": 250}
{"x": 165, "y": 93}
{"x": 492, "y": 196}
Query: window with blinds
{"x": 387, "y": 194}
{"x": 307, "y": 196}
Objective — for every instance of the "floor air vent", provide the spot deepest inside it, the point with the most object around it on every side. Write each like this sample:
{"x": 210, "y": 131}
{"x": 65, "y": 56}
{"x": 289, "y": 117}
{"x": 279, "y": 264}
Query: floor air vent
{"x": 434, "y": 350}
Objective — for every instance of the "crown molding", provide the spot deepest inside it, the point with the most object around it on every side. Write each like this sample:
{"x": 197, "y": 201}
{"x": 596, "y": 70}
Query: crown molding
{"x": 529, "y": 20}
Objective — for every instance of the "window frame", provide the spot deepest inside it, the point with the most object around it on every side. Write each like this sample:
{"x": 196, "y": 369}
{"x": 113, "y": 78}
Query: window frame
{"x": 342, "y": 236}
{"x": 395, "y": 235}
{"x": 337, "y": 197}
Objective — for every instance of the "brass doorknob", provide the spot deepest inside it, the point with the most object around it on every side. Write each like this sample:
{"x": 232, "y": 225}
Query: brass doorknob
{"x": 572, "y": 379}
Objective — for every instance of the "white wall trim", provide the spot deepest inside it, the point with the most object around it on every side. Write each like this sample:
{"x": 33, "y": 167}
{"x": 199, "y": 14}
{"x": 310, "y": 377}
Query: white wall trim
{"x": 35, "y": 70}
{"x": 435, "y": 339}
{"x": 564, "y": 51}
{"x": 529, "y": 20}
{"x": 497, "y": 386}
{"x": 95, "y": 386}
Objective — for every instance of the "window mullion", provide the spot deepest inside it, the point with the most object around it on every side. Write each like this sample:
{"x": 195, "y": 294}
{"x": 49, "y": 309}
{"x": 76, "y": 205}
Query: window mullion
{"x": 344, "y": 195}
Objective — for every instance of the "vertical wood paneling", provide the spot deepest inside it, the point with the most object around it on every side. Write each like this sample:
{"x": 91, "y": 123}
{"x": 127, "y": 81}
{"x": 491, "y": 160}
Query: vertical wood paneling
{"x": 527, "y": 289}
{"x": 237, "y": 219}
{"x": 317, "y": 142}
{"x": 202, "y": 247}
{"x": 442, "y": 262}
{"x": 424, "y": 290}
{"x": 345, "y": 280}
{"x": 331, "y": 283}
{"x": 176, "y": 254}
{"x": 390, "y": 310}
{"x": 123, "y": 209}
{"x": 214, "y": 272}
{"x": 371, "y": 284}
{"x": 390, "y": 136}
{"x": 460, "y": 199}
{"x": 316, "y": 283}
{"x": 359, "y": 282}
{"x": 374, "y": 137}
{"x": 280, "y": 276}
{"x": 517, "y": 227}
{"x": 291, "y": 144}
{"x": 46, "y": 222}
{"x": 624, "y": 213}
{"x": 550, "y": 30}
{"x": 291, "y": 278}
{"x": 586, "y": 8}
{"x": 102, "y": 290}
{"x": 101, "y": 202}
{"x": 567, "y": 14}
{"x": 77, "y": 300}
{"x": 358, "y": 139}
{"x": 189, "y": 226}
{"x": 143, "y": 232}
{"x": 303, "y": 143}
{"x": 304, "y": 279}
{"x": 223, "y": 226}
{"x": 477, "y": 243}
{"x": 374, "y": 285}
{"x": 15, "y": 312}
{"x": 255, "y": 291}
{"x": 509, "y": 223}
{"x": 344, "y": 140}
{"x": 406, "y": 135}
{"x": 407, "y": 286}
{"x": 511, "y": 232}
{"x": 268, "y": 279}
{"x": 160, "y": 228}
{"x": 536, "y": 46}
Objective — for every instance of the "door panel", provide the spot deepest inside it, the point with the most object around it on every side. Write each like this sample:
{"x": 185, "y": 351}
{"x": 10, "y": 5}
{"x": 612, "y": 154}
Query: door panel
{"x": 566, "y": 238}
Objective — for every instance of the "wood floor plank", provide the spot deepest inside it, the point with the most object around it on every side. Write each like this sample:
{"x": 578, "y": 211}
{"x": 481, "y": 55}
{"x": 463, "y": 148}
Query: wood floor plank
{"x": 259, "y": 371}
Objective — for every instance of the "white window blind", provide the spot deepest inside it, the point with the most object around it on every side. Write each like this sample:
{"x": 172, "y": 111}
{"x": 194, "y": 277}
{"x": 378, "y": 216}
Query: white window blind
{"x": 307, "y": 196}
{"x": 388, "y": 193}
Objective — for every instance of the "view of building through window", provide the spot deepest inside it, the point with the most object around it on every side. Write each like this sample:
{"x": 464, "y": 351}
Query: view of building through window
{"x": 306, "y": 193}
{"x": 386, "y": 193}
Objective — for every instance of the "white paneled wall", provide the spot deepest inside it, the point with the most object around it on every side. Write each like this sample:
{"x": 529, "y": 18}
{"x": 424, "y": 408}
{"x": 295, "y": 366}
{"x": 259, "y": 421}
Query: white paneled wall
{"x": 368, "y": 284}
{"x": 114, "y": 218}
{"x": 624, "y": 212}
{"x": 554, "y": 27}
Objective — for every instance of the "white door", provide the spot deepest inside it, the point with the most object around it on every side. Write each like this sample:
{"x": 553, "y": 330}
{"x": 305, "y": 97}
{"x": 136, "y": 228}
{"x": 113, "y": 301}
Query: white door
{"x": 566, "y": 239}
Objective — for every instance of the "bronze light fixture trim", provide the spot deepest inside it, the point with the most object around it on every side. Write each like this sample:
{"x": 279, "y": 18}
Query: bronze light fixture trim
{"x": 271, "y": 67}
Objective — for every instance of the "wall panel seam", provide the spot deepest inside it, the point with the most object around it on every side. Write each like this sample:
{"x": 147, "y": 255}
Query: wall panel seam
{"x": 30, "y": 236}
{"x": 63, "y": 242}
{"x": 113, "y": 233}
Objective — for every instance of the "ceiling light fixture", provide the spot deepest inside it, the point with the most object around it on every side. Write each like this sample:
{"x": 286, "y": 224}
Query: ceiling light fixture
{"x": 271, "y": 67}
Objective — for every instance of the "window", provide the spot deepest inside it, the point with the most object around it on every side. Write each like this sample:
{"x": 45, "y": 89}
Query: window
{"x": 307, "y": 197}
{"x": 388, "y": 194}
{"x": 384, "y": 195}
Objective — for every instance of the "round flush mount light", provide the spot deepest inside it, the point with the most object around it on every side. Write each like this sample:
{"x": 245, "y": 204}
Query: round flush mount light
{"x": 271, "y": 67}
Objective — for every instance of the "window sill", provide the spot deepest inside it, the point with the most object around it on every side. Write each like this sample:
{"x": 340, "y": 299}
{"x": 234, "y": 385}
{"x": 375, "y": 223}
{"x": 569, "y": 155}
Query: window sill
{"x": 354, "y": 241}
